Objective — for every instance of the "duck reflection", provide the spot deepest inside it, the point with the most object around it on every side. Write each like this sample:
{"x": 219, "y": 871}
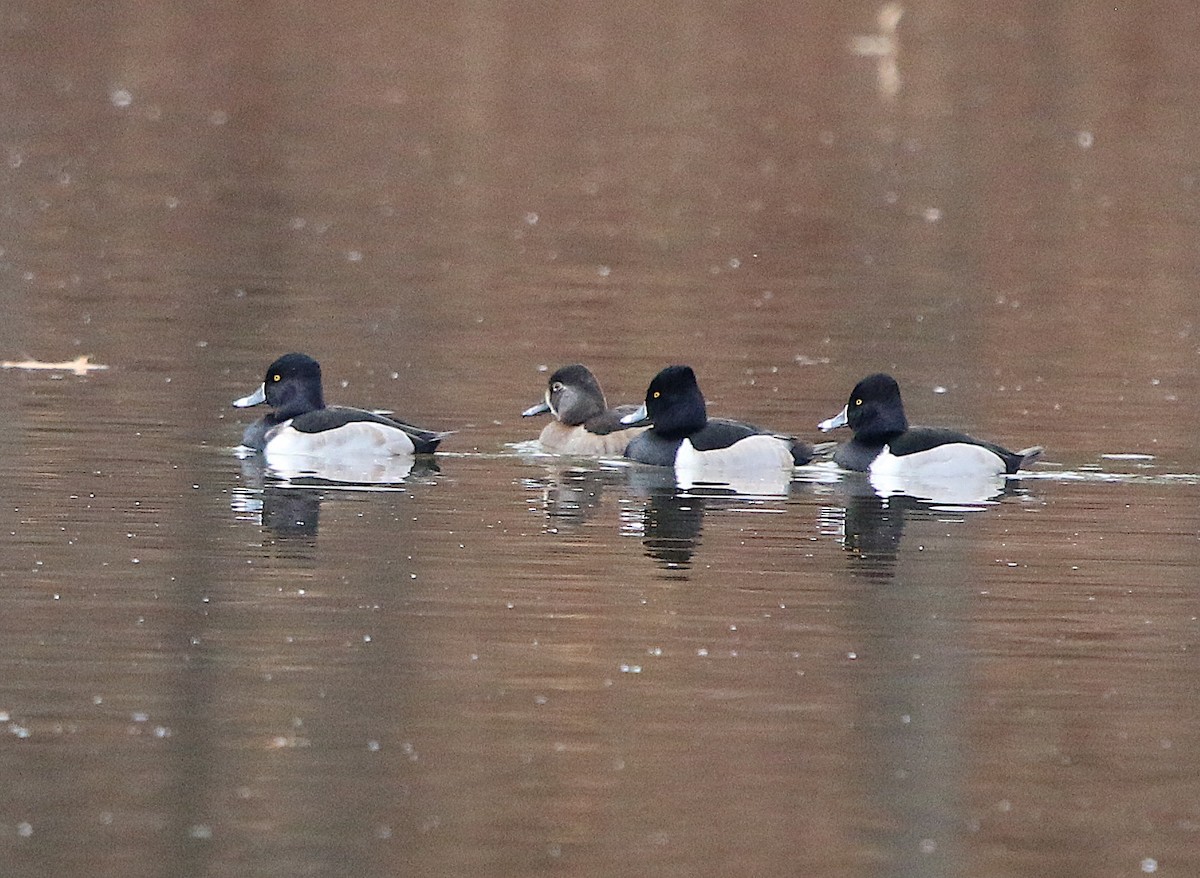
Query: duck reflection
{"x": 569, "y": 494}
{"x": 911, "y": 619}
{"x": 671, "y": 516}
{"x": 285, "y": 494}
{"x": 674, "y": 508}
{"x": 874, "y": 514}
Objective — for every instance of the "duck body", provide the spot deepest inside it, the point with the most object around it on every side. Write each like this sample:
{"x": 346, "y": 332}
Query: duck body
{"x": 682, "y": 435}
{"x": 885, "y": 444}
{"x": 583, "y": 423}
{"x": 301, "y": 424}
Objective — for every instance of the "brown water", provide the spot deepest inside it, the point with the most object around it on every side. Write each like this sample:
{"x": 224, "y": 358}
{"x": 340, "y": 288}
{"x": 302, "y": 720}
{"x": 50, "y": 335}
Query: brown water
{"x": 511, "y": 665}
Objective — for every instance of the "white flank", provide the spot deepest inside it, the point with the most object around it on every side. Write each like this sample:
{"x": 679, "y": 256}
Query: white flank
{"x": 953, "y": 473}
{"x": 945, "y": 461}
{"x": 754, "y": 465}
{"x": 358, "y": 439}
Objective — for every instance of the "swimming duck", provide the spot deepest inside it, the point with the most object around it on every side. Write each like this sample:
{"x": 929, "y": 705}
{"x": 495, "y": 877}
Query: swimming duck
{"x": 301, "y": 423}
{"x": 583, "y": 423}
{"x": 884, "y": 442}
{"x": 682, "y": 434}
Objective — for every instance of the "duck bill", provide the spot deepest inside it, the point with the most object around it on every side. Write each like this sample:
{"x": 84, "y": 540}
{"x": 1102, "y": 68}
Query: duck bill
{"x": 638, "y": 418}
{"x": 255, "y": 398}
{"x": 542, "y": 408}
{"x": 841, "y": 419}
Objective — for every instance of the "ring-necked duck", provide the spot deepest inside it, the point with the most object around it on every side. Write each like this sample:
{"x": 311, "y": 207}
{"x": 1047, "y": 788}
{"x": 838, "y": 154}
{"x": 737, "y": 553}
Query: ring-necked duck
{"x": 682, "y": 434}
{"x": 301, "y": 423}
{"x": 884, "y": 443}
{"x": 583, "y": 423}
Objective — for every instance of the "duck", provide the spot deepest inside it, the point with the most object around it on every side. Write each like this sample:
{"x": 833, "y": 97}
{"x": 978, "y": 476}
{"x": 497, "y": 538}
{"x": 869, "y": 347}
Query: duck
{"x": 583, "y": 424}
{"x": 682, "y": 435}
{"x": 301, "y": 423}
{"x": 884, "y": 443}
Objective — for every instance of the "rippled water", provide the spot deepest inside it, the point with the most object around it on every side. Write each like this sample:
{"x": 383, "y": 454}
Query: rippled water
{"x": 506, "y": 663}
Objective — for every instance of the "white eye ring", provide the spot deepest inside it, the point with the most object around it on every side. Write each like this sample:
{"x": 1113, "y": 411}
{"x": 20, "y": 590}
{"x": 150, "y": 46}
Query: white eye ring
{"x": 556, "y": 386}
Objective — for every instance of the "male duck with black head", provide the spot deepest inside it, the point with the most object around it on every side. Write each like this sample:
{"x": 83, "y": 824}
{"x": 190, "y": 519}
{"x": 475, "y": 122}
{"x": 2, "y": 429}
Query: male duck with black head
{"x": 583, "y": 423}
{"x": 300, "y": 422}
{"x": 884, "y": 443}
{"x": 682, "y": 435}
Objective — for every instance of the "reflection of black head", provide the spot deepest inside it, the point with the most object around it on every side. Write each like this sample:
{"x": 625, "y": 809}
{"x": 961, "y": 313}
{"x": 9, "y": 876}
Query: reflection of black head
{"x": 573, "y": 495}
{"x": 672, "y": 528}
{"x": 291, "y": 513}
{"x": 873, "y": 530}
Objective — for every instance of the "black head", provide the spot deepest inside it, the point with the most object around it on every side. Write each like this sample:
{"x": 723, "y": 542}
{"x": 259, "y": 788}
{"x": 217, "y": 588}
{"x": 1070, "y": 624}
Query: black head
{"x": 674, "y": 403}
{"x": 574, "y": 395}
{"x": 874, "y": 409}
{"x": 293, "y": 385}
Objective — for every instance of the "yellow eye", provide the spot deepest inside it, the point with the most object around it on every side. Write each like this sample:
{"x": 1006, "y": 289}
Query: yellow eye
{"x": 656, "y": 394}
{"x": 276, "y": 377}
{"x": 858, "y": 402}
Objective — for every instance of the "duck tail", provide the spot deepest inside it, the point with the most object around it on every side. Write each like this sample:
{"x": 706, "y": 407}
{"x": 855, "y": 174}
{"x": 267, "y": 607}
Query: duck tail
{"x": 1029, "y": 455}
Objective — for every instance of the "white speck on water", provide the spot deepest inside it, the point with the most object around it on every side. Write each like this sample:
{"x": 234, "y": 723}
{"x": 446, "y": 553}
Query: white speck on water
{"x": 162, "y": 732}
{"x": 852, "y": 655}
{"x": 383, "y": 832}
{"x": 139, "y": 716}
{"x": 630, "y": 669}
{"x": 120, "y": 97}
{"x": 928, "y": 845}
{"x": 939, "y": 389}
{"x": 1149, "y": 865}
{"x": 200, "y": 831}
{"x": 354, "y": 256}
{"x": 735, "y": 263}
{"x": 373, "y": 746}
{"x": 932, "y": 214}
{"x": 1085, "y": 139}
{"x": 366, "y": 638}
{"x": 654, "y": 650}
{"x": 531, "y": 219}
{"x": 540, "y": 699}
{"x": 218, "y": 117}
{"x": 19, "y": 730}
{"x": 702, "y": 652}
{"x": 24, "y": 829}
{"x": 604, "y": 270}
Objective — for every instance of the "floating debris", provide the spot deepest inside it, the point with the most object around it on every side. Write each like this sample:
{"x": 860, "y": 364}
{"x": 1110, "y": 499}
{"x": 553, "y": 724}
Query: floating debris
{"x": 79, "y": 365}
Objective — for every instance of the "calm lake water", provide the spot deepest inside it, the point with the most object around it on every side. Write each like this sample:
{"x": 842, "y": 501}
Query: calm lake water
{"x": 504, "y": 663}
